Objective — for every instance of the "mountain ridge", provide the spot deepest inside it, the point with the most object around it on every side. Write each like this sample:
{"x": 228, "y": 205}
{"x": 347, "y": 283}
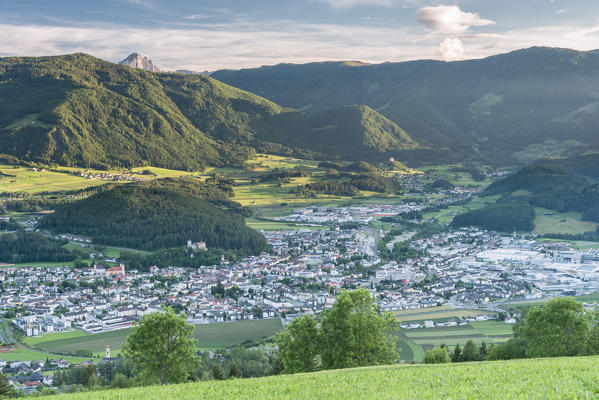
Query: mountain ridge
{"x": 495, "y": 106}
{"x": 80, "y": 110}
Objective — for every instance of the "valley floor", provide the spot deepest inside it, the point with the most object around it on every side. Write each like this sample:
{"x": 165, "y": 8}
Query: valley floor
{"x": 557, "y": 378}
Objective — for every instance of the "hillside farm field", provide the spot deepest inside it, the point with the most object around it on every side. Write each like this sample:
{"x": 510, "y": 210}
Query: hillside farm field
{"x": 440, "y": 313}
{"x": 483, "y": 331}
{"x": 19, "y": 353}
{"x": 547, "y": 379}
{"x": 548, "y": 221}
{"x": 209, "y": 336}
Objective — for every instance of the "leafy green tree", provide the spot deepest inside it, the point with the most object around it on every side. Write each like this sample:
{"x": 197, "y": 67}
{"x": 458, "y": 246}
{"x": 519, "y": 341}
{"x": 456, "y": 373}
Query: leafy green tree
{"x": 456, "y": 356}
{"x": 234, "y": 372}
{"x": 470, "y": 352}
{"x": 438, "y": 355}
{"x": 120, "y": 381}
{"x": 560, "y": 328}
{"x": 161, "y": 345}
{"x": 6, "y": 390}
{"x": 87, "y": 376}
{"x": 512, "y": 349}
{"x": 483, "y": 351}
{"x": 298, "y": 345}
{"x": 217, "y": 372}
{"x": 354, "y": 334}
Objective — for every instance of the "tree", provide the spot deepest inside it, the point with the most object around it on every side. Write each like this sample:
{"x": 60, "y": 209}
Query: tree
{"x": 456, "y": 356}
{"x": 161, "y": 345}
{"x": 298, "y": 345}
{"x": 217, "y": 372}
{"x": 438, "y": 355}
{"x": 471, "y": 352}
{"x": 234, "y": 372}
{"x": 6, "y": 390}
{"x": 512, "y": 349}
{"x": 483, "y": 351}
{"x": 353, "y": 334}
{"x": 120, "y": 381}
{"x": 560, "y": 328}
{"x": 87, "y": 376}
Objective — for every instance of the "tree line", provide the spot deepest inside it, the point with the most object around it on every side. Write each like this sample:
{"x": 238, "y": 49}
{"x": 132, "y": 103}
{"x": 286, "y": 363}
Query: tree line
{"x": 560, "y": 328}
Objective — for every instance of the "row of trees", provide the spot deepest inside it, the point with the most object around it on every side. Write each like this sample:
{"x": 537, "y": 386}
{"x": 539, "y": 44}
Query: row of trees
{"x": 560, "y": 328}
{"x": 471, "y": 352}
{"x": 350, "y": 334}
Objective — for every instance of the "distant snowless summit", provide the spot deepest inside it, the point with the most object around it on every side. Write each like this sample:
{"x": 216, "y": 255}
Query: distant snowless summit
{"x": 136, "y": 60}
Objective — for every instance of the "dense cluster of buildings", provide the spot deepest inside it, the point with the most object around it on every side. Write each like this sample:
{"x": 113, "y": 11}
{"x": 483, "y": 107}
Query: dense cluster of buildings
{"x": 303, "y": 274}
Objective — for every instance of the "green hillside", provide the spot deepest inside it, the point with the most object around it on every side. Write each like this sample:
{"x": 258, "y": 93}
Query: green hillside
{"x": 489, "y": 108}
{"x": 80, "y": 110}
{"x": 156, "y": 215}
{"x": 534, "y": 179}
{"x": 548, "y": 379}
{"x": 563, "y": 200}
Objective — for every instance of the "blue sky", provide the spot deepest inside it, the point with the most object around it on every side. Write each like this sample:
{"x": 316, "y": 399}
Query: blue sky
{"x": 209, "y": 35}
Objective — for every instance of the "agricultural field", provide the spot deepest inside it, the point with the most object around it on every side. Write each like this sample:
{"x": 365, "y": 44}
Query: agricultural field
{"x": 69, "y": 342}
{"x": 25, "y": 179}
{"x": 497, "y": 330}
{"x": 210, "y": 336}
{"x": 18, "y": 353}
{"x": 483, "y": 331}
{"x": 547, "y": 379}
{"x": 441, "y": 313}
{"x": 263, "y": 225}
{"x": 581, "y": 245}
{"x": 409, "y": 351}
{"x": 549, "y": 221}
{"x": 458, "y": 178}
{"x": 37, "y": 264}
{"x": 445, "y": 215}
{"x": 227, "y": 334}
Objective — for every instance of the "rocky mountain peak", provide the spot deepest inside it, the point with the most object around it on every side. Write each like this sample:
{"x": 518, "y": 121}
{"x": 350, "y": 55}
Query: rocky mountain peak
{"x": 137, "y": 60}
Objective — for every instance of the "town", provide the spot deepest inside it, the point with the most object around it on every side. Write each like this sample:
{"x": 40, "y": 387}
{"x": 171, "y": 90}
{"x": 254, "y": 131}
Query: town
{"x": 306, "y": 269}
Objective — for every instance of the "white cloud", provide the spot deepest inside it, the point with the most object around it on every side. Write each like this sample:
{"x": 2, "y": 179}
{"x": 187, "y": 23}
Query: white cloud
{"x": 451, "y": 49}
{"x": 251, "y": 44}
{"x": 450, "y": 19}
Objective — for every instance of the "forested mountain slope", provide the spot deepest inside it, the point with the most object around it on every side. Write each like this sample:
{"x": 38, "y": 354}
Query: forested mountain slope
{"x": 492, "y": 107}
{"x": 80, "y": 110}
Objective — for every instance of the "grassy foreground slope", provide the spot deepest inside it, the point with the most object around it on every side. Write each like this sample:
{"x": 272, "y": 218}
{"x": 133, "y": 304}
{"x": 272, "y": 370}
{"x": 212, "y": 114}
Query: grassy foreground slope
{"x": 557, "y": 378}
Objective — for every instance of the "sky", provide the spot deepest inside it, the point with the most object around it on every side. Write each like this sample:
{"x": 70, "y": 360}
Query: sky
{"x": 204, "y": 35}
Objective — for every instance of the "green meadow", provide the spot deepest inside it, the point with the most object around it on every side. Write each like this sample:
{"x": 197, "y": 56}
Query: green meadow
{"x": 542, "y": 379}
{"x": 549, "y": 221}
{"x": 208, "y": 336}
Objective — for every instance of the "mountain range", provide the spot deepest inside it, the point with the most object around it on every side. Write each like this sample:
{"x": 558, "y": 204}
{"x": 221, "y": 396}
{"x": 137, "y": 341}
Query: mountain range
{"x": 493, "y": 107}
{"x": 80, "y": 110}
